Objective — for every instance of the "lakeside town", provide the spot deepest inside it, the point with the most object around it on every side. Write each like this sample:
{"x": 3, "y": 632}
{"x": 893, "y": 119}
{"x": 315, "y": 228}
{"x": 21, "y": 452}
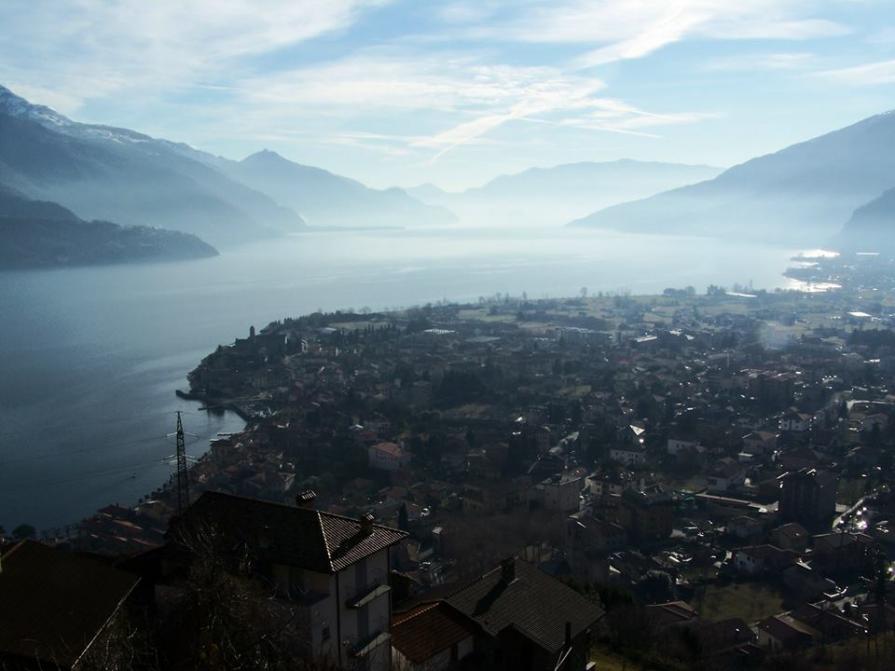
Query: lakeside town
{"x": 687, "y": 480}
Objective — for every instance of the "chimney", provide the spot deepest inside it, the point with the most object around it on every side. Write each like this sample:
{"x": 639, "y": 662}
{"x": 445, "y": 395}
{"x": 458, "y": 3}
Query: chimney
{"x": 306, "y": 498}
{"x": 366, "y": 523}
{"x": 508, "y": 569}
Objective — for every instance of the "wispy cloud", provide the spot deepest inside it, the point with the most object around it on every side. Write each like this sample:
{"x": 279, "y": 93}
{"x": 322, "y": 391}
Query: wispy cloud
{"x": 582, "y": 110}
{"x": 771, "y": 61}
{"x": 637, "y": 28}
{"x": 483, "y": 95}
{"x": 616, "y": 116}
{"x": 556, "y": 96}
{"x": 421, "y": 80}
{"x": 867, "y": 74}
{"x": 94, "y": 48}
{"x": 402, "y": 79}
{"x": 884, "y": 36}
{"x": 467, "y": 12}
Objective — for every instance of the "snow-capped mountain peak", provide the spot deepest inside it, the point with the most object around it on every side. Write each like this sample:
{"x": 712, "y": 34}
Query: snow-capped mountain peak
{"x": 16, "y": 106}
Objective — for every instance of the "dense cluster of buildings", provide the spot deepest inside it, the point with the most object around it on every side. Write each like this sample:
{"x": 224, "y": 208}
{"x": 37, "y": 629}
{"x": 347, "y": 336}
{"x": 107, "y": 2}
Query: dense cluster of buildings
{"x": 722, "y": 460}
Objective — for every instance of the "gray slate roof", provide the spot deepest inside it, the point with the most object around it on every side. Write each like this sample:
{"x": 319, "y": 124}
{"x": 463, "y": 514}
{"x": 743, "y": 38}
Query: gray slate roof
{"x": 535, "y": 604}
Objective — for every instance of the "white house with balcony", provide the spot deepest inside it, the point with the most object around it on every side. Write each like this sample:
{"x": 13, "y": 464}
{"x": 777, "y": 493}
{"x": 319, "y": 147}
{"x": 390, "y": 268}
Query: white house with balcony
{"x": 329, "y": 572}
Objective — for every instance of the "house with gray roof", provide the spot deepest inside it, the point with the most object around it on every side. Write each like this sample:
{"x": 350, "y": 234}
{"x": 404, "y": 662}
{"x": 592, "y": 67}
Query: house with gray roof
{"x": 524, "y": 619}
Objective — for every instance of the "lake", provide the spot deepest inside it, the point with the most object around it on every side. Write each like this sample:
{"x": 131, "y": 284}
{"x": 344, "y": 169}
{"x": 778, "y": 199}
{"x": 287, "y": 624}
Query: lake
{"x": 90, "y": 357}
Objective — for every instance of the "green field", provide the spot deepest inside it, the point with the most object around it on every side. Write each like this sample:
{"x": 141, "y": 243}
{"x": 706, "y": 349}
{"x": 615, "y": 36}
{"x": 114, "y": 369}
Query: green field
{"x": 609, "y": 661}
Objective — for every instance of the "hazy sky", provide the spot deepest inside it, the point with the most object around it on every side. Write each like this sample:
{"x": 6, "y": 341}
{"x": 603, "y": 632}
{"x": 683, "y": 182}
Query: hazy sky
{"x": 408, "y": 91}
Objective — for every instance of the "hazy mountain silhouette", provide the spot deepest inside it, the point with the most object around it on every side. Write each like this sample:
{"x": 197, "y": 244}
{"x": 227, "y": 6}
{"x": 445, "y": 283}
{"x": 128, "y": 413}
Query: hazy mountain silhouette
{"x": 800, "y": 194}
{"x": 552, "y": 196}
{"x": 116, "y": 174}
{"x": 327, "y": 199}
{"x": 871, "y": 226}
{"x": 430, "y": 193}
{"x": 43, "y": 234}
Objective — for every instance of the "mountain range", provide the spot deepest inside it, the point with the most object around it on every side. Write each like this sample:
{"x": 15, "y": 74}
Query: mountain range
{"x": 552, "y": 196}
{"x": 837, "y": 187}
{"x": 326, "y": 199}
{"x": 119, "y": 175}
{"x": 116, "y": 174}
{"x": 37, "y": 234}
{"x": 871, "y": 227}
{"x": 804, "y": 194}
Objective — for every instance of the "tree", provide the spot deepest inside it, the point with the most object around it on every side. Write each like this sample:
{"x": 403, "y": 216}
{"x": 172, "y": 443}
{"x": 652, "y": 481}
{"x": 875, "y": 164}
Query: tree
{"x": 656, "y": 587}
{"x": 875, "y": 435}
{"x": 124, "y": 645}
{"x": 576, "y": 412}
{"x": 403, "y": 518}
{"x": 226, "y": 617}
{"x": 24, "y": 531}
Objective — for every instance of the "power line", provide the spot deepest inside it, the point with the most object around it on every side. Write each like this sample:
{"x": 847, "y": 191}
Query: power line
{"x": 61, "y": 454}
{"x": 191, "y": 440}
{"x": 18, "y": 485}
{"x": 97, "y": 448}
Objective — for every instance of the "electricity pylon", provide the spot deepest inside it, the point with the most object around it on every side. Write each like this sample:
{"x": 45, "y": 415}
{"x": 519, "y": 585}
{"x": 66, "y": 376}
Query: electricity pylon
{"x": 183, "y": 482}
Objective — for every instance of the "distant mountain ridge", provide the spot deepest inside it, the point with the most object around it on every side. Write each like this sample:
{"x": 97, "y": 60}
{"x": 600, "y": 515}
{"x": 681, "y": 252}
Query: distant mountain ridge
{"x": 429, "y": 193}
{"x": 800, "y": 194}
{"x": 574, "y": 176}
{"x": 39, "y": 234}
{"x": 803, "y": 194}
{"x": 327, "y": 199}
{"x": 553, "y": 195}
{"x": 117, "y": 174}
{"x": 871, "y": 227}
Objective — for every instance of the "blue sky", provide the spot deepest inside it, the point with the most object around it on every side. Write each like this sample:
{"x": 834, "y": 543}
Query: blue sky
{"x": 408, "y": 91}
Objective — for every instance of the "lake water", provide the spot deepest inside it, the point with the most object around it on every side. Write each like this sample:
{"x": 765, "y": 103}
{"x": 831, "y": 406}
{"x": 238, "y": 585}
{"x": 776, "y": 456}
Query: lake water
{"x": 90, "y": 357}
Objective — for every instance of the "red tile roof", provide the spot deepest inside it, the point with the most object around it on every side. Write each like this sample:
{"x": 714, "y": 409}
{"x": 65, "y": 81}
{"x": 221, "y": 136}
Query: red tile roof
{"x": 392, "y": 449}
{"x": 426, "y": 630}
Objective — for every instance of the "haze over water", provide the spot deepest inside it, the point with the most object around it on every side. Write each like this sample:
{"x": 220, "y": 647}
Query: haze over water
{"x": 91, "y": 357}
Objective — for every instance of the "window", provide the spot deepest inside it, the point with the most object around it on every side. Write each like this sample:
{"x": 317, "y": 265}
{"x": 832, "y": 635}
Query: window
{"x": 324, "y": 635}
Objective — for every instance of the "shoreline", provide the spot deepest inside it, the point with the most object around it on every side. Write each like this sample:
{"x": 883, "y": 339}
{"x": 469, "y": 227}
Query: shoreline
{"x": 214, "y": 405}
{"x": 246, "y": 415}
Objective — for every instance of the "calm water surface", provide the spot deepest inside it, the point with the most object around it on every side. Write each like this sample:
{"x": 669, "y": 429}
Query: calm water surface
{"x": 90, "y": 357}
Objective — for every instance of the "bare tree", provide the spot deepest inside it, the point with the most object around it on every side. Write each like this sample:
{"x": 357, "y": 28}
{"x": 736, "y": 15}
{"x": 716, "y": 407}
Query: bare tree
{"x": 226, "y": 614}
